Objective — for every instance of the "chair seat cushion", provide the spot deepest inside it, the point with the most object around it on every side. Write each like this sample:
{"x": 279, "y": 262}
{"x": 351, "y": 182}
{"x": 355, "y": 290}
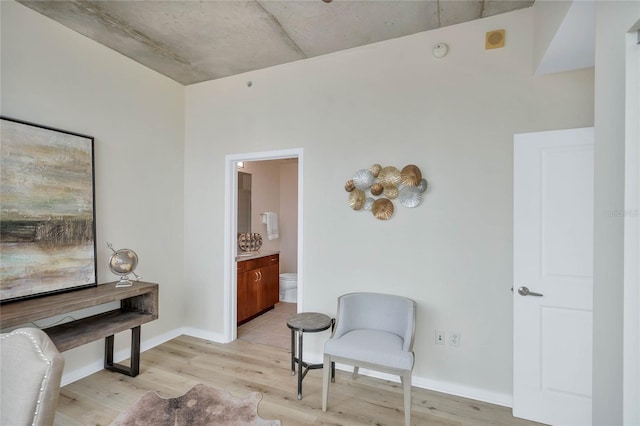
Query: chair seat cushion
{"x": 371, "y": 346}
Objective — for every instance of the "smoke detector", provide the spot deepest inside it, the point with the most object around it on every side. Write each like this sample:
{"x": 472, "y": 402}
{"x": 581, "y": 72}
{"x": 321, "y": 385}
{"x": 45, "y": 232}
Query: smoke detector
{"x": 440, "y": 50}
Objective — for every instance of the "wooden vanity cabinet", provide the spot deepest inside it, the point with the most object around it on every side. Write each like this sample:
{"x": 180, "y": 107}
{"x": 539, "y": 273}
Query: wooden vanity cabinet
{"x": 258, "y": 282}
{"x": 245, "y": 297}
{"x": 272, "y": 281}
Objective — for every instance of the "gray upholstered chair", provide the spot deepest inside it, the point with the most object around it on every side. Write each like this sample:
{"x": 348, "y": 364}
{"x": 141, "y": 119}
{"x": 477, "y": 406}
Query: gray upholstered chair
{"x": 30, "y": 370}
{"x": 373, "y": 331}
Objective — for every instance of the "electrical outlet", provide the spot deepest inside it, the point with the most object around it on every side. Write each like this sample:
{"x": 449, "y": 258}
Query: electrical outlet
{"x": 439, "y": 337}
{"x": 454, "y": 339}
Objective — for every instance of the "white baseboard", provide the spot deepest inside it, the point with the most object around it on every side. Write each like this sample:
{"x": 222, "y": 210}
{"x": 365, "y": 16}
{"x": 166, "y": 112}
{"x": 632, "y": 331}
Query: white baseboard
{"x": 94, "y": 367}
{"x": 77, "y": 374}
{"x": 497, "y": 398}
{"x": 203, "y": 334}
{"x": 478, "y": 394}
{"x": 456, "y": 389}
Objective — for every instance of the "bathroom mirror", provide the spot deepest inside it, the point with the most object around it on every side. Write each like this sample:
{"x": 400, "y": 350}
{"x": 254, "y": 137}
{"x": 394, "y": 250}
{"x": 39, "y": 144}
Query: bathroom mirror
{"x": 244, "y": 203}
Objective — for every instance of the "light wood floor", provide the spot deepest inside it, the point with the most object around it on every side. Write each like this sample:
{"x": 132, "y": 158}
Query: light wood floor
{"x": 270, "y": 328}
{"x": 241, "y": 367}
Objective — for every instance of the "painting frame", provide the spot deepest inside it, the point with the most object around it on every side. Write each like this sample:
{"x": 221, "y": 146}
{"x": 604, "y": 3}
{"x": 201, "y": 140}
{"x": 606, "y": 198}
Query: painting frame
{"x": 47, "y": 213}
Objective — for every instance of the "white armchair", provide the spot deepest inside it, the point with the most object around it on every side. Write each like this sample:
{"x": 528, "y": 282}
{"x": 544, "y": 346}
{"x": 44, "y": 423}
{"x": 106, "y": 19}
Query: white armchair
{"x": 30, "y": 370}
{"x": 373, "y": 331}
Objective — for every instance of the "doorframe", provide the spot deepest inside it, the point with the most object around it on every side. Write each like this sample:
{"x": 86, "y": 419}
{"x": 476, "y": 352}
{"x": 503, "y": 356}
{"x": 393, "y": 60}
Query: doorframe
{"x": 631, "y": 317}
{"x": 230, "y": 226}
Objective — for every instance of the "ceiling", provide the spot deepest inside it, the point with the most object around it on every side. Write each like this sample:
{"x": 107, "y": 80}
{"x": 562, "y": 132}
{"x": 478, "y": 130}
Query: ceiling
{"x": 194, "y": 41}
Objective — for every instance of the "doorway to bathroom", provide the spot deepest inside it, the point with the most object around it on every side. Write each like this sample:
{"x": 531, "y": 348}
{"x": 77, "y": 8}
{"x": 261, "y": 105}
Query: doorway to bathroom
{"x": 276, "y": 187}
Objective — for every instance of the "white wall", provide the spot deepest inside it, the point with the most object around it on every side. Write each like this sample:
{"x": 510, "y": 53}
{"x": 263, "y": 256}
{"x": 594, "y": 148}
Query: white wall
{"x": 265, "y": 197}
{"x": 391, "y": 103}
{"x": 289, "y": 217}
{"x": 275, "y": 189}
{"x": 573, "y": 40}
{"x": 56, "y": 77}
{"x": 613, "y": 20}
{"x": 547, "y": 20}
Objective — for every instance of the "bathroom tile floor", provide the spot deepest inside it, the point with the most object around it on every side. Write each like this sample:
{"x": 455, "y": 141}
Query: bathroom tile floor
{"x": 270, "y": 328}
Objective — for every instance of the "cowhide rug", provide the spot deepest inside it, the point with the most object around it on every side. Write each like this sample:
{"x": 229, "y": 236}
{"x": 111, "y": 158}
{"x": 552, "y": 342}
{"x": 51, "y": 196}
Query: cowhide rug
{"x": 201, "y": 405}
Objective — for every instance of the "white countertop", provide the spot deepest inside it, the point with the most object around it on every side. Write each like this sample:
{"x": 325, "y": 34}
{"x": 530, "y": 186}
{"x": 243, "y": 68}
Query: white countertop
{"x": 255, "y": 254}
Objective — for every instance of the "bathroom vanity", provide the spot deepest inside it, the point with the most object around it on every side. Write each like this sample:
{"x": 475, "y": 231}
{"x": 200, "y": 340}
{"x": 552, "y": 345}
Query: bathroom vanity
{"x": 258, "y": 285}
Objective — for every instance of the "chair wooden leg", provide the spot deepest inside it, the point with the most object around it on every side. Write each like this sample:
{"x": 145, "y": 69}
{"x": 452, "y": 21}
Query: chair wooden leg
{"x": 355, "y": 372}
{"x": 326, "y": 376}
{"x": 406, "y": 382}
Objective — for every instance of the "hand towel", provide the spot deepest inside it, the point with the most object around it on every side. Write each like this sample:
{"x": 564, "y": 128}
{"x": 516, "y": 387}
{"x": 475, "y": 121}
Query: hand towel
{"x": 271, "y": 220}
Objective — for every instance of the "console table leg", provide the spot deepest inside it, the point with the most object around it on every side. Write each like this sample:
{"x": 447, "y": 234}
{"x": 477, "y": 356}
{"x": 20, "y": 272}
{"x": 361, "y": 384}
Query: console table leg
{"x": 135, "y": 351}
{"x": 134, "y": 369}
{"x": 108, "y": 351}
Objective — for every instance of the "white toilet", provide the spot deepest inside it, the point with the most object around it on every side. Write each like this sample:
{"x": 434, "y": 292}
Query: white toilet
{"x": 289, "y": 287}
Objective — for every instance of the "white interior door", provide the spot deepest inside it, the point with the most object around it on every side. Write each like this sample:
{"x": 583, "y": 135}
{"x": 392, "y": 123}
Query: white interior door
{"x": 553, "y": 257}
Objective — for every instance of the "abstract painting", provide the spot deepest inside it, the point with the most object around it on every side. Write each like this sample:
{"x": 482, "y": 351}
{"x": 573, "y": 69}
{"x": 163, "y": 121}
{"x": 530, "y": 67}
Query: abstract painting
{"x": 47, "y": 211}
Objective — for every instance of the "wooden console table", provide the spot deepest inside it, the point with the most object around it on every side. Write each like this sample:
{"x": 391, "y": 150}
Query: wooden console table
{"x": 138, "y": 305}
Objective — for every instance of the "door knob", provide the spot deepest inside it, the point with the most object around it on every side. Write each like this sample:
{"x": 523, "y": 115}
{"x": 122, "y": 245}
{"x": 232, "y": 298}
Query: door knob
{"x": 524, "y": 291}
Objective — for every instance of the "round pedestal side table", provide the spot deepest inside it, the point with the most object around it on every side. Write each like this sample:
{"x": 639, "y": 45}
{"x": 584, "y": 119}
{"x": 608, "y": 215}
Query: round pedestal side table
{"x": 306, "y": 322}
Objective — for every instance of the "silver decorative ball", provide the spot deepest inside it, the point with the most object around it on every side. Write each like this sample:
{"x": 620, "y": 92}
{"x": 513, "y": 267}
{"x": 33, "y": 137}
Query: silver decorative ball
{"x": 122, "y": 263}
